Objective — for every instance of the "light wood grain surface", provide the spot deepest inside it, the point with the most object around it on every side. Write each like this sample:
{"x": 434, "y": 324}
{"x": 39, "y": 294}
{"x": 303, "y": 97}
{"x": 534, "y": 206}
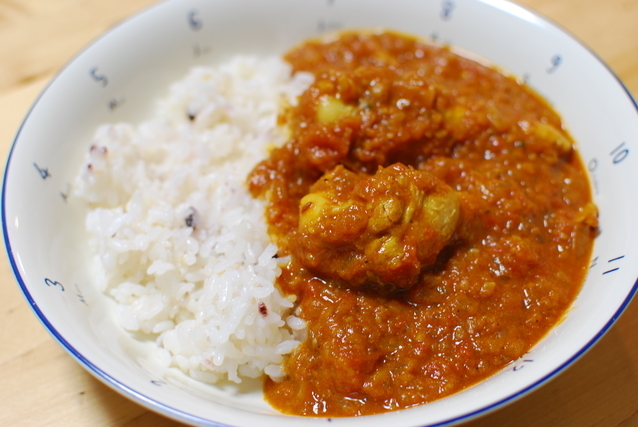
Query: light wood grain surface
{"x": 41, "y": 385}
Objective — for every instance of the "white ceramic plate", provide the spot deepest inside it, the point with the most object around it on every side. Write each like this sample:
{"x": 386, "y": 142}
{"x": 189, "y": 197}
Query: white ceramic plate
{"x": 120, "y": 75}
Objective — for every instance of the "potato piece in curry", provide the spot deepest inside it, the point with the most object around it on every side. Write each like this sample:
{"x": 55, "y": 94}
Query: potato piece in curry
{"x": 438, "y": 219}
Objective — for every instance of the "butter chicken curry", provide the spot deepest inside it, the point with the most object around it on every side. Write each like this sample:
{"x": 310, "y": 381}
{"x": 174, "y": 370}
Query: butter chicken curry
{"x": 438, "y": 220}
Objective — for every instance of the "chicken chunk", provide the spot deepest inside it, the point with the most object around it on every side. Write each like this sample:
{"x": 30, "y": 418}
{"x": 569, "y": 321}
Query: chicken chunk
{"x": 375, "y": 231}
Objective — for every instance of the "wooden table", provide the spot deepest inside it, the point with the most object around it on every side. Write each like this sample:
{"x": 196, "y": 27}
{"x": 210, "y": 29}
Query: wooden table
{"x": 41, "y": 385}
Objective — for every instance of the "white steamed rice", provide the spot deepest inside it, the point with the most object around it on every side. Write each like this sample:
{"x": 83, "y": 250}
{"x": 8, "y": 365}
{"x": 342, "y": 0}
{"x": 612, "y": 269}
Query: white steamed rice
{"x": 182, "y": 246}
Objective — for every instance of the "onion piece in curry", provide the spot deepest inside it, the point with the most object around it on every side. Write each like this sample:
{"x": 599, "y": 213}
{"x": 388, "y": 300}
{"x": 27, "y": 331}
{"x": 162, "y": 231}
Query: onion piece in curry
{"x": 438, "y": 218}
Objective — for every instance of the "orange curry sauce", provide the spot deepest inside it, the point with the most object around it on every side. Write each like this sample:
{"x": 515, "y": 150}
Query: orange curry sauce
{"x": 456, "y": 186}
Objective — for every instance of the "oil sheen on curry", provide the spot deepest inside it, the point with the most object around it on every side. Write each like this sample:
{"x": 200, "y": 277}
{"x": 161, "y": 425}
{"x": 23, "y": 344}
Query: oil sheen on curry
{"x": 438, "y": 220}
